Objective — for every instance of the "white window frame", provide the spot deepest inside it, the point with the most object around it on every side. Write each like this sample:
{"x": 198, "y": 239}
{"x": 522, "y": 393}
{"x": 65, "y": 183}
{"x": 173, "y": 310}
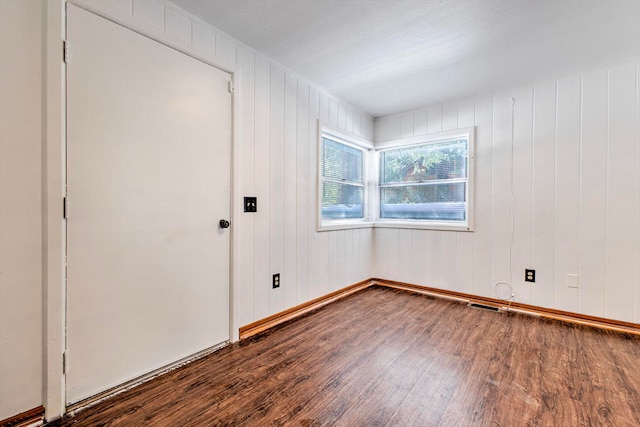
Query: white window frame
{"x": 369, "y": 183}
{"x": 466, "y": 133}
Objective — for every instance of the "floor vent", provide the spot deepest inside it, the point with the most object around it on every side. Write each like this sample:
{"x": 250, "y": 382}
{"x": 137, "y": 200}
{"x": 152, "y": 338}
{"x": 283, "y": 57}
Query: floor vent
{"x": 484, "y": 307}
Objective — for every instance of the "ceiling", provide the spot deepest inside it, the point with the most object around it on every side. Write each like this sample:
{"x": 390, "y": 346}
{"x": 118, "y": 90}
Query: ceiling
{"x": 390, "y": 56}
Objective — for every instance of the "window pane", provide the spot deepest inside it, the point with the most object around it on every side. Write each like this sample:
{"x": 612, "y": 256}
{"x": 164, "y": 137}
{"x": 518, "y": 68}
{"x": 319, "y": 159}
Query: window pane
{"x": 341, "y": 200}
{"x": 447, "y": 160}
{"x": 445, "y": 202}
{"x": 341, "y": 161}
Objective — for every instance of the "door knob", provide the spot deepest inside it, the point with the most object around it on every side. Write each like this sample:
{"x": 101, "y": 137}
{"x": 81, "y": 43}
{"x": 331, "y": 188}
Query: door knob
{"x": 224, "y": 223}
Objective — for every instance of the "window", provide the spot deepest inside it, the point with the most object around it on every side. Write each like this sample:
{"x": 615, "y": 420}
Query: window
{"x": 342, "y": 181}
{"x": 420, "y": 182}
{"x": 427, "y": 183}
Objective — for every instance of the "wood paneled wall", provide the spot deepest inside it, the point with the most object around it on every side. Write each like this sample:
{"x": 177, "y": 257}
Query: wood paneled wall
{"x": 557, "y": 189}
{"x": 278, "y": 126}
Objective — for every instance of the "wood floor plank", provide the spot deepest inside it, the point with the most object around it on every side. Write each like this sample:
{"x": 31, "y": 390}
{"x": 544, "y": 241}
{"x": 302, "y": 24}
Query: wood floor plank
{"x": 386, "y": 357}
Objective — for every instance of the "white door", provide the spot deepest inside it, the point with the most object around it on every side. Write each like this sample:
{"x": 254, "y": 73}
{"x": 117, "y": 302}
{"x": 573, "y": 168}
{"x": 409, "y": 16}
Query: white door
{"x": 148, "y": 176}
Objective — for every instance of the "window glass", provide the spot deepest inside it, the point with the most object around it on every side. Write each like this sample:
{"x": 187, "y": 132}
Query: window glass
{"x": 425, "y": 182}
{"x": 342, "y": 180}
{"x": 341, "y": 161}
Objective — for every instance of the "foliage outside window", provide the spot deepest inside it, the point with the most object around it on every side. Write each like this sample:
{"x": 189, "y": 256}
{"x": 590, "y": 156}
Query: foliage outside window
{"x": 342, "y": 180}
{"x": 427, "y": 182}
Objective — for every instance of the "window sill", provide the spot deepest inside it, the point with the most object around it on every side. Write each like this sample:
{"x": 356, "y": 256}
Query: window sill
{"x": 422, "y": 225}
{"x": 338, "y": 225}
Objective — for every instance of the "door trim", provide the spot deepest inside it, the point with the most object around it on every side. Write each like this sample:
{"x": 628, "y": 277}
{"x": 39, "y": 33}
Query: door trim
{"x": 54, "y": 189}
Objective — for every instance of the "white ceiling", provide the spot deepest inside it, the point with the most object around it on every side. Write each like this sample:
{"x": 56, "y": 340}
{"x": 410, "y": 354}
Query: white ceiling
{"x": 389, "y": 56}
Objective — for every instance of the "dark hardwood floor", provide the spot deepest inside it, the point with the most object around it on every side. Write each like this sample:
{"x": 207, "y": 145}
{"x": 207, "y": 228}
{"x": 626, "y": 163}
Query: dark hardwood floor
{"x": 383, "y": 357}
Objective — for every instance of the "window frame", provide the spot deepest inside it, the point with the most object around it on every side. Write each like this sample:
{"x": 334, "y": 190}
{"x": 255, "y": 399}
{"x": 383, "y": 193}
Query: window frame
{"x": 465, "y": 133}
{"x": 367, "y": 149}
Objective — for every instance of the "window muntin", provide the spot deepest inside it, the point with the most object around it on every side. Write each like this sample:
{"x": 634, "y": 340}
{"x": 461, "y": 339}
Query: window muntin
{"x": 426, "y": 182}
{"x": 342, "y": 180}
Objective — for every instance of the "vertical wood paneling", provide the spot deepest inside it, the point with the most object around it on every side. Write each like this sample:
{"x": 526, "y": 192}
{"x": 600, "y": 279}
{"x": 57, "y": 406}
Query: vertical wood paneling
{"x": 368, "y": 125}
{"x": 225, "y": 53}
{"x": 348, "y": 255}
{"x": 466, "y": 113}
{"x": 522, "y": 186}
{"x": 483, "y": 167}
{"x": 449, "y": 259}
{"x": 567, "y": 227}
{"x": 464, "y": 264}
{"x": 342, "y": 116}
{"x": 203, "y": 40}
{"x": 394, "y": 128}
{"x": 380, "y": 129}
{"x": 405, "y": 238}
{"x": 450, "y": 116}
{"x": 406, "y": 125}
{"x": 433, "y": 258}
{"x": 314, "y": 112}
{"x": 283, "y": 178}
{"x": 302, "y": 194}
{"x": 544, "y": 203}
{"x": 357, "y": 130}
{"x": 380, "y": 254}
{"x": 419, "y": 257}
{"x": 420, "y": 122}
{"x": 354, "y": 261}
{"x": 361, "y": 271}
{"x": 593, "y": 190}
{"x": 149, "y": 13}
{"x": 245, "y": 229}
{"x": 177, "y": 26}
{"x": 367, "y": 252}
{"x": 501, "y": 168}
{"x": 333, "y": 113}
{"x": 620, "y": 188}
{"x": 348, "y": 127}
{"x": 464, "y": 273}
{"x": 392, "y": 259}
{"x": 323, "y": 264}
{"x": 120, "y": 7}
{"x": 260, "y": 125}
{"x": 434, "y": 119}
{"x": 379, "y": 250}
{"x": 324, "y": 108}
{"x": 289, "y": 214}
{"x": 544, "y": 192}
{"x": 332, "y": 265}
{"x": 277, "y": 190}
{"x": 261, "y": 267}
{"x": 556, "y": 190}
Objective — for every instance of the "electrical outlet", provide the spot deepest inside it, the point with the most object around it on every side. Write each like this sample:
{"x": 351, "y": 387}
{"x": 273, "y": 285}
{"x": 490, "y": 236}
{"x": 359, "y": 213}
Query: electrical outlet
{"x": 276, "y": 281}
{"x": 251, "y": 204}
{"x": 529, "y": 275}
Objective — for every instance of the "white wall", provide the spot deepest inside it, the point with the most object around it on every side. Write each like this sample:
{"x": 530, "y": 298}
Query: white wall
{"x": 278, "y": 115}
{"x": 277, "y": 125}
{"x": 568, "y": 151}
{"x": 20, "y": 206}
{"x": 561, "y": 167}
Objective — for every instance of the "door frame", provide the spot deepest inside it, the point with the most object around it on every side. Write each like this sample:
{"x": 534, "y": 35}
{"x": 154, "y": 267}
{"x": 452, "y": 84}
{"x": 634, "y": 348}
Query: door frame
{"x": 54, "y": 188}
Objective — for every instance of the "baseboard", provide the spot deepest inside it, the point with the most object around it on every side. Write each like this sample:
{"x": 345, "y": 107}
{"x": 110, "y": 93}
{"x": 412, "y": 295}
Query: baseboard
{"x": 565, "y": 316}
{"x": 31, "y": 417}
{"x": 532, "y": 310}
{"x": 299, "y": 310}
